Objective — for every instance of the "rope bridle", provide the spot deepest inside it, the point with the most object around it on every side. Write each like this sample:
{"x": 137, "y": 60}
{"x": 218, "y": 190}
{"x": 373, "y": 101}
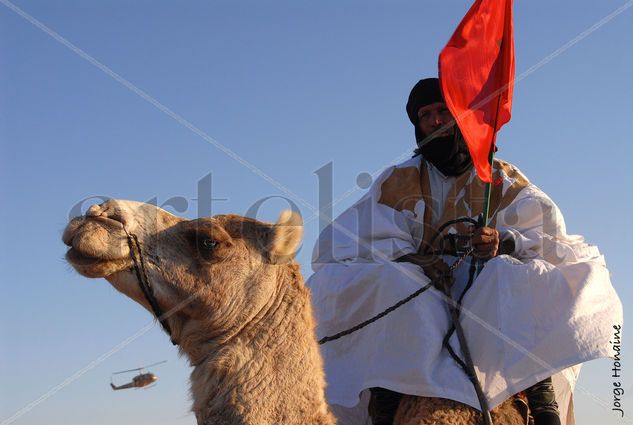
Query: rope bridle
{"x": 145, "y": 284}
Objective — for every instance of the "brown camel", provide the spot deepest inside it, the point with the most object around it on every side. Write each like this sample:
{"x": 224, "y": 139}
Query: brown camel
{"x": 236, "y": 305}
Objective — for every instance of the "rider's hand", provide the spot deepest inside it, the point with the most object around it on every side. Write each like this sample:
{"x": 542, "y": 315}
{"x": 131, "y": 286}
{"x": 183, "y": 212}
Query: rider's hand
{"x": 485, "y": 243}
{"x": 434, "y": 267}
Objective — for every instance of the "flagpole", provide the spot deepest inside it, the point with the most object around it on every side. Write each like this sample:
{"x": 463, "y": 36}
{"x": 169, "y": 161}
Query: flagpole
{"x": 491, "y": 157}
{"x": 488, "y": 189}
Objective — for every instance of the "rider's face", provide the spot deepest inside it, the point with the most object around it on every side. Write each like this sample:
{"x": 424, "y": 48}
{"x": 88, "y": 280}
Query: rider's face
{"x": 433, "y": 117}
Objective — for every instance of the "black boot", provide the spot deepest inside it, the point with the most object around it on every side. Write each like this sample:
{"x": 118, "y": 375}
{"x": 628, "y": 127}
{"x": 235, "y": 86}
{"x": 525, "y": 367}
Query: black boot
{"x": 542, "y": 402}
{"x": 383, "y": 405}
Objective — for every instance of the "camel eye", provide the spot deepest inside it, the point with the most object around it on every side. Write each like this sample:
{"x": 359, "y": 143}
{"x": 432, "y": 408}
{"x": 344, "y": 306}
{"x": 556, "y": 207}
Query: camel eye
{"x": 209, "y": 243}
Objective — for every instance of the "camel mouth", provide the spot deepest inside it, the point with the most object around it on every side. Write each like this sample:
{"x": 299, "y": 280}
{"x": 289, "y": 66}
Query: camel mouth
{"x": 95, "y": 267}
{"x": 76, "y": 258}
{"x": 97, "y": 246}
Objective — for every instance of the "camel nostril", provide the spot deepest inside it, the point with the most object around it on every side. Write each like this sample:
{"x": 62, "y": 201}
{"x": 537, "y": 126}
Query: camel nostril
{"x": 117, "y": 216}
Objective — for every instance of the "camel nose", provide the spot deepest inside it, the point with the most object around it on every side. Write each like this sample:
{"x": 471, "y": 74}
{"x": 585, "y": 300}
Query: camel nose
{"x": 94, "y": 211}
{"x": 112, "y": 211}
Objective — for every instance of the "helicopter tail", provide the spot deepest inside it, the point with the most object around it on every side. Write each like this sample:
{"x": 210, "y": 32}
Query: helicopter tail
{"x": 123, "y": 387}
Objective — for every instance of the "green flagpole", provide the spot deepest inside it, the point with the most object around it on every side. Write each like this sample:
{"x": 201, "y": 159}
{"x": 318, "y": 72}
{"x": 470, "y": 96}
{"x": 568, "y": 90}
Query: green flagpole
{"x": 488, "y": 190}
{"x": 491, "y": 157}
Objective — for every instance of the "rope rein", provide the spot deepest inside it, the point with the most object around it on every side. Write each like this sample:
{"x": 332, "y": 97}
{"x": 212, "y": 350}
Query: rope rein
{"x": 397, "y": 305}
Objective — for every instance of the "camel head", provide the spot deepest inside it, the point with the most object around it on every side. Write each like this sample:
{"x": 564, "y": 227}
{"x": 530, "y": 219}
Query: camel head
{"x": 211, "y": 276}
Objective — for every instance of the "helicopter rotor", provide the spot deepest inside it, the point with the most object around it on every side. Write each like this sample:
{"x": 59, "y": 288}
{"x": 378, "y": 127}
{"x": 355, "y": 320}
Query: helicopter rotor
{"x": 139, "y": 368}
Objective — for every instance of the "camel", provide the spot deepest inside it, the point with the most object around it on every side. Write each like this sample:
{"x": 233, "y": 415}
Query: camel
{"x": 236, "y": 305}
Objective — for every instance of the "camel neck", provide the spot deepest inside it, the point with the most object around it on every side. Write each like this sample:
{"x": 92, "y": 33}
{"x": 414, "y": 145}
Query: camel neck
{"x": 271, "y": 371}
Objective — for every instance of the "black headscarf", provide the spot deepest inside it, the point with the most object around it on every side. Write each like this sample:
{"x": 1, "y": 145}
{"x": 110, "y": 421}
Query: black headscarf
{"x": 448, "y": 154}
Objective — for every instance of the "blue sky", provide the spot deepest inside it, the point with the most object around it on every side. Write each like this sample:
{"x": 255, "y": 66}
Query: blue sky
{"x": 289, "y": 87}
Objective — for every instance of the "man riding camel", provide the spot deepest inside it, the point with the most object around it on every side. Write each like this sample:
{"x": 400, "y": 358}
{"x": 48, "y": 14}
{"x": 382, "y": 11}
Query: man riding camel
{"x": 529, "y": 315}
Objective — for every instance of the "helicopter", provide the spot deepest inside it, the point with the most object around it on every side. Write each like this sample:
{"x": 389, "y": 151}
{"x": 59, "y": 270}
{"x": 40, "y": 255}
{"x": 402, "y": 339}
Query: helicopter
{"x": 140, "y": 380}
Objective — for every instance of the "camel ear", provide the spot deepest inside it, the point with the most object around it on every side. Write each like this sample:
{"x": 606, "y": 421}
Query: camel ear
{"x": 285, "y": 237}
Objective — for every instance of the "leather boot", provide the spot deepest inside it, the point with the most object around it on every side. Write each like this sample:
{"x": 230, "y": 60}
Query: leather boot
{"x": 542, "y": 402}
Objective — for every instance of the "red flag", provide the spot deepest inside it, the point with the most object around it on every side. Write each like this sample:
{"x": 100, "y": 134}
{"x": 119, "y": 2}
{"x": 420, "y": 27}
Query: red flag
{"x": 476, "y": 70}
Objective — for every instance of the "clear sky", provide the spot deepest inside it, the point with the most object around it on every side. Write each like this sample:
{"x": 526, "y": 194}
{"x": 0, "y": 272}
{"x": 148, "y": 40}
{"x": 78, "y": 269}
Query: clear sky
{"x": 160, "y": 90}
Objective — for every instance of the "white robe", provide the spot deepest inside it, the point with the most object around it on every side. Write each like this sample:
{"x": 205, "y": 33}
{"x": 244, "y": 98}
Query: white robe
{"x": 539, "y": 313}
